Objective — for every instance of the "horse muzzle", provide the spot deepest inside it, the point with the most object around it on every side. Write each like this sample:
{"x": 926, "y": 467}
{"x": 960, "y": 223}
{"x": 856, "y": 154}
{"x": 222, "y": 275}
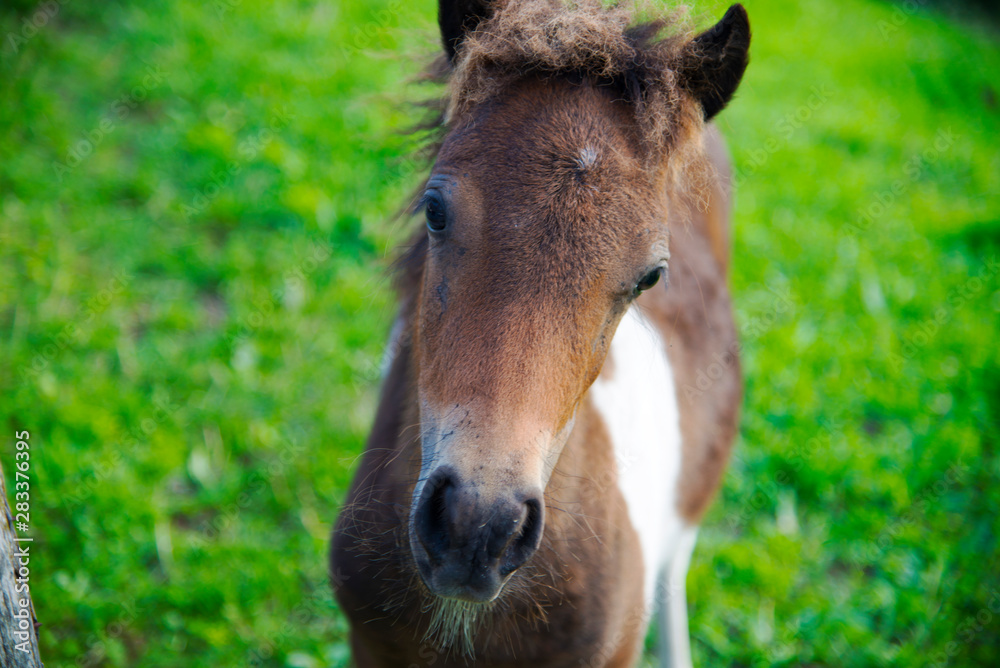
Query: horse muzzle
{"x": 467, "y": 542}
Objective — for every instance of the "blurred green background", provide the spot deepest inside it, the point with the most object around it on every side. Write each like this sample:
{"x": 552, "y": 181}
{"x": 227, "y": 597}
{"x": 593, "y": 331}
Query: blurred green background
{"x": 196, "y": 206}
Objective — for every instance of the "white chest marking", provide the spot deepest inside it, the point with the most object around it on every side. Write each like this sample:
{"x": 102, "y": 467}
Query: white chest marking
{"x": 639, "y": 406}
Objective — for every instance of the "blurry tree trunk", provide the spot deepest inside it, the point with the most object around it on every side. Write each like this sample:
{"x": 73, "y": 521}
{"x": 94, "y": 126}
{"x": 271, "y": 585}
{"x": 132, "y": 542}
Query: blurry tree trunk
{"x": 18, "y": 640}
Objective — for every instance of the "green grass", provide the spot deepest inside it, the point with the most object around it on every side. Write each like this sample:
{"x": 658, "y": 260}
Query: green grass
{"x": 194, "y": 202}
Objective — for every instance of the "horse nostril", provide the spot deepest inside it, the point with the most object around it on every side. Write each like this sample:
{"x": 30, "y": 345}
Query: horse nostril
{"x": 470, "y": 546}
{"x": 525, "y": 542}
{"x": 431, "y": 519}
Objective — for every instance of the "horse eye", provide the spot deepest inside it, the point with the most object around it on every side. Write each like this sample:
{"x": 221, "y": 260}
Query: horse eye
{"x": 649, "y": 280}
{"x": 434, "y": 210}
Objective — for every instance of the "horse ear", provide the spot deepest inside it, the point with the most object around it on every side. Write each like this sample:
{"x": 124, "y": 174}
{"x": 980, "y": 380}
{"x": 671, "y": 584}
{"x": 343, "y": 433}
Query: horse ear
{"x": 713, "y": 62}
{"x": 457, "y": 18}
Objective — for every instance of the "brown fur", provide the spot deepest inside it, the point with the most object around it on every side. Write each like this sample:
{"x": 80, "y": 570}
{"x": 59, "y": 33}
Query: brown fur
{"x": 696, "y": 319}
{"x": 566, "y": 134}
{"x": 552, "y": 612}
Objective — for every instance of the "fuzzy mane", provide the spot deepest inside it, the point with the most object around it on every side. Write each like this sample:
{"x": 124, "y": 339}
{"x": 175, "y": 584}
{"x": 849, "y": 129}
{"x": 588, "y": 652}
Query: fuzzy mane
{"x": 583, "y": 38}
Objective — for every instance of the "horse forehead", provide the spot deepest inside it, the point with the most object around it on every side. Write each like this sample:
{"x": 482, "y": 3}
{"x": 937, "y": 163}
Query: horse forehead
{"x": 555, "y": 166}
{"x": 546, "y": 121}
{"x": 576, "y": 210}
{"x": 549, "y": 163}
{"x": 565, "y": 181}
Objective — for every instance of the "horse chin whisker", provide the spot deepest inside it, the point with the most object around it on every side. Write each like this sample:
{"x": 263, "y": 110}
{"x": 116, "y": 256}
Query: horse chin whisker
{"x": 455, "y": 624}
